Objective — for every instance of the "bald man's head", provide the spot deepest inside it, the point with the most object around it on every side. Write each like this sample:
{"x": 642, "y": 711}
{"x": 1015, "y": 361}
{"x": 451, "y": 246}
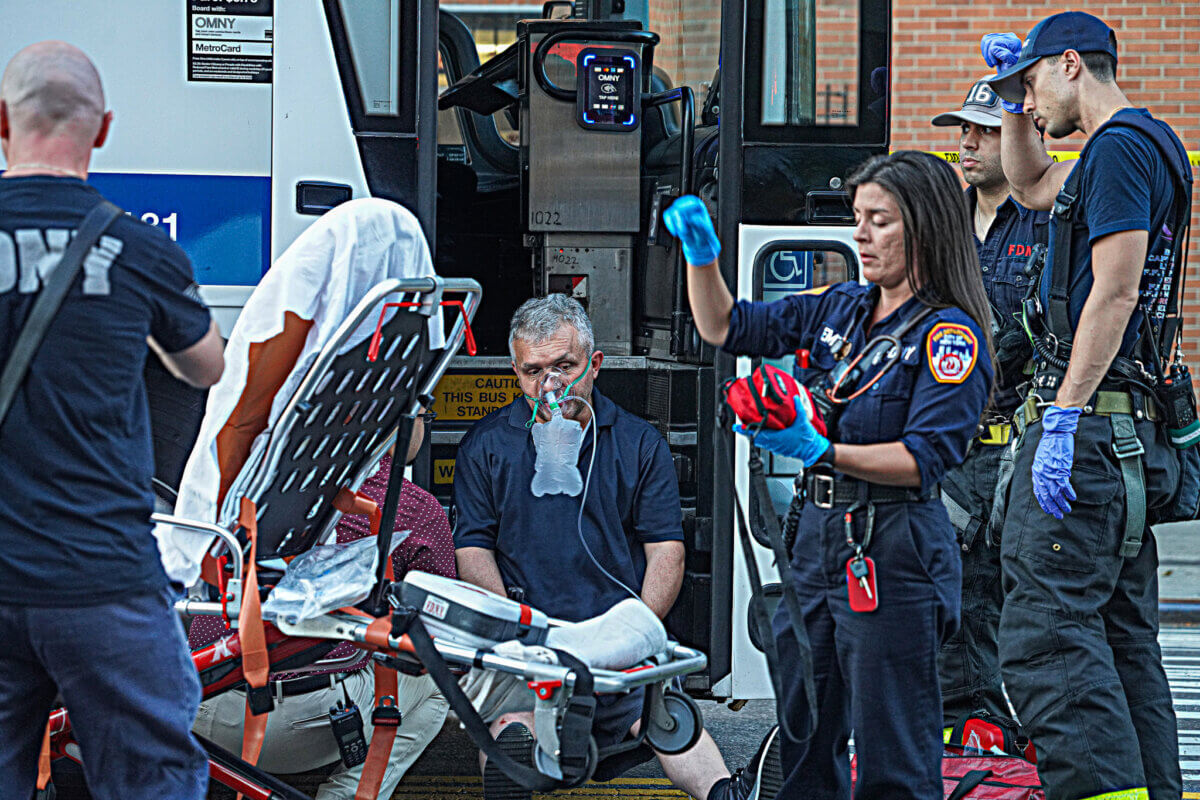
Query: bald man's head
{"x": 52, "y": 89}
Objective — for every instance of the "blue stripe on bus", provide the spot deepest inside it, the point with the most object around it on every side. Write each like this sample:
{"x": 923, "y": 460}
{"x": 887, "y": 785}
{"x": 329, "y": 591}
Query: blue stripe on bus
{"x": 223, "y": 222}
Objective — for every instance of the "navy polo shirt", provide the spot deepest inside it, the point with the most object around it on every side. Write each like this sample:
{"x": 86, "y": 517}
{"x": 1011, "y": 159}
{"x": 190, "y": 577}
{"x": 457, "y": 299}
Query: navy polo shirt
{"x": 1125, "y": 186}
{"x": 632, "y": 500}
{"x": 1003, "y": 254}
{"x": 932, "y": 400}
{"x": 75, "y": 450}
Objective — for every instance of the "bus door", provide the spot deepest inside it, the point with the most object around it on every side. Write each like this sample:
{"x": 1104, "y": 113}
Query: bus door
{"x": 355, "y": 91}
{"x": 804, "y": 100}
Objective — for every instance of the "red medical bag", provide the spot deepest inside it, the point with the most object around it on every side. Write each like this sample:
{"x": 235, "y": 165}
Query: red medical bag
{"x": 768, "y": 396}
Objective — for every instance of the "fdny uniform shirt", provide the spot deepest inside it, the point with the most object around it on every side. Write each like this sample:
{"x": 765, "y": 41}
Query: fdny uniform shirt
{"x": 633, "y": 499}
{"x": 1003, "y": 254}
{"x": 1125, "y": 187}
{"x": 931, "y": 400}
{"x": 75, "y": 451}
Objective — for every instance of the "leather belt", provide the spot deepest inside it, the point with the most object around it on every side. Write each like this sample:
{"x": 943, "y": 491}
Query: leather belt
{"x": 292, "y": 687}
{"x": 829, "y": 490}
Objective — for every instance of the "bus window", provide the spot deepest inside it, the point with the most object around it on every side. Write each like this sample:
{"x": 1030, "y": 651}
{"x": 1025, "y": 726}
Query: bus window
{"x": 691, "y": 42}
{"x": 373, "y": 28}
{"x": 494, "y": 28}
{"x": 810, "y": 62}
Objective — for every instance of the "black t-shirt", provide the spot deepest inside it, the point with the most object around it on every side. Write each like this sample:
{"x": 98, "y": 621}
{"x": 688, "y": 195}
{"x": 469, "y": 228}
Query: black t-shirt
{"x": 75, "y": 452}
{"x": 1126, "y": 186}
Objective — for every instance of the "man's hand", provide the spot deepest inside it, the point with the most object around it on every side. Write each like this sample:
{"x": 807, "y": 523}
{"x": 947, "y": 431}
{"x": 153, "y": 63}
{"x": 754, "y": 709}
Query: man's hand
{"x": 1052, "y": 462}
{"x": 800, "y": 440}
{"x": 687, "y": 219}
{"x": 1001, "y": 50}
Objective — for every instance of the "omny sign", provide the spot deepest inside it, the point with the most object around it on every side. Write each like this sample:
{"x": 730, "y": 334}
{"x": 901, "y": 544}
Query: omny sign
{"x": 788, "y": 271}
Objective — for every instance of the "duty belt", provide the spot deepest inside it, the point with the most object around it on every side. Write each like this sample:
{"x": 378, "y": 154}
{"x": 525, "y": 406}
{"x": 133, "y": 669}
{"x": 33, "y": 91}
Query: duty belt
{"x": 827, "y": 490}
{"x": 1122, "y": 409}
{"x": 995, "y": 433}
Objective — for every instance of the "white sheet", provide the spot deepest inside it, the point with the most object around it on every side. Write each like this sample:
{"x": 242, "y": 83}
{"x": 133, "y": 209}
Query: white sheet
{"x": 321, "y": 277}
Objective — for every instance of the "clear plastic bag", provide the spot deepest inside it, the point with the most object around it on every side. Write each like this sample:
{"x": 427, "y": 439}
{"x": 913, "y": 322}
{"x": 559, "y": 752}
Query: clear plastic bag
{"x": 557, "y": 444}
{"x": 327, "y": 577}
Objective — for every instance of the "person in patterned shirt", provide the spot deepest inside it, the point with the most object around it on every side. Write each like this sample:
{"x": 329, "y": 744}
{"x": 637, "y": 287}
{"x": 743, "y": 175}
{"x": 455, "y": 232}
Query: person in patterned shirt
{"x": 298, "y": 737}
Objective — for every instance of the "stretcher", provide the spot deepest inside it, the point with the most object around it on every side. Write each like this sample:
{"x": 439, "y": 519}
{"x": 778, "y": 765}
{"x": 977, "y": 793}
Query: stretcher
{"x": 354, "y": 402}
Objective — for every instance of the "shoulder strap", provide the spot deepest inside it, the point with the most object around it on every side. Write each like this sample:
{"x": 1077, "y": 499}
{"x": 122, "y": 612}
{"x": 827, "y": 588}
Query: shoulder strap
{"x": 54, "y": 291}
{"x": 1175, "y": 156}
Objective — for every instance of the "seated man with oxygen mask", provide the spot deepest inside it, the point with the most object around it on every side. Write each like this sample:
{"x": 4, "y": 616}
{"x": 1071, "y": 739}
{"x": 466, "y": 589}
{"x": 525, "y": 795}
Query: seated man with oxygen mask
{"x": 569, "y": 503}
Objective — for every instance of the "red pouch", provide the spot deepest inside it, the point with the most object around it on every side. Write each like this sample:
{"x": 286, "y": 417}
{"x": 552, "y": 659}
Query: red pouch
{"x": 770, "y": 394}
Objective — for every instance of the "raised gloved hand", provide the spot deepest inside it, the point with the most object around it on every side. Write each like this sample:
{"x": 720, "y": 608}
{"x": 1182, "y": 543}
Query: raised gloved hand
{"x": 687, "y": 219}
{"x": 1052, "y": 461}
{"x": 1001, "y": 50}
{"x": 800, "y": 440}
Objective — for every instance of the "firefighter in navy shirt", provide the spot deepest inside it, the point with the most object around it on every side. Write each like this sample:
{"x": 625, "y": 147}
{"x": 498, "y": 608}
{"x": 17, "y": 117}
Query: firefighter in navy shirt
{"x": 85, "y": 607}
{"x": 1078, "y": 633}
{"x": 896, "y": 427}
{"x": 1005, "y": 234}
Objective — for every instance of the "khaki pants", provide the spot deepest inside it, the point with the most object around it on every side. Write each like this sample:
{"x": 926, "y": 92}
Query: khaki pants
{"x": 299, "y": 738}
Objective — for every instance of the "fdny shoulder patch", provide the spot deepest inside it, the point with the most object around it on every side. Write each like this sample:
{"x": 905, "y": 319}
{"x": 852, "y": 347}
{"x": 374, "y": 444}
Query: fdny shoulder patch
{"x": 952, "y": 351}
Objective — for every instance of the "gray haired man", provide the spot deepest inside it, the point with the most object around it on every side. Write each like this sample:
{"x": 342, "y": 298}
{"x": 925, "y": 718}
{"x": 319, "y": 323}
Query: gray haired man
{"x": 575, "y": 566}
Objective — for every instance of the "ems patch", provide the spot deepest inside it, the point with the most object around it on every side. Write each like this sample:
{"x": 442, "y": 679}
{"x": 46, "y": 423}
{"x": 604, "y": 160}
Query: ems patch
{"x": 952, "y": 351}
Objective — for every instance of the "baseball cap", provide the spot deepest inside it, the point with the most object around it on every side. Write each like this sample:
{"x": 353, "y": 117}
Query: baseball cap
{"x": 981, "y": 107}
{"x": 1070, "y": 30}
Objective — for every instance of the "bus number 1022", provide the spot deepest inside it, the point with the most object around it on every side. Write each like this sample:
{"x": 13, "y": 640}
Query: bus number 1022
{"x": 547, "y": 218}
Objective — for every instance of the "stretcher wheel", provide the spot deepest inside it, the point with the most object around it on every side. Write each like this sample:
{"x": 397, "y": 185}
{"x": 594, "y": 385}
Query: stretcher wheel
{"x": 686, "y": 728}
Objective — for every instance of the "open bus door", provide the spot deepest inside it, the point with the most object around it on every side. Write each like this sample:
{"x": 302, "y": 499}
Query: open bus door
{"x": 804, "y": 100}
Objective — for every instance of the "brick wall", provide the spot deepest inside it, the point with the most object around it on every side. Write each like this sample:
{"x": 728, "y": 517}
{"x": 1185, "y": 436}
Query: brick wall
{"x": 935, "y": 58}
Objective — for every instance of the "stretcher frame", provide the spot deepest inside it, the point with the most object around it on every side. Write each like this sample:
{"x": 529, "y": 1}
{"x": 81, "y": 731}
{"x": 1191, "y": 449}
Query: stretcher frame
{"x": 299, "y": 647}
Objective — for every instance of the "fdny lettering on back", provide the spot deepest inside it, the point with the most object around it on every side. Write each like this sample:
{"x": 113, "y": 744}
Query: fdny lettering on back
{"x": 29, "y": 255}
{"x": 952, "y": 351}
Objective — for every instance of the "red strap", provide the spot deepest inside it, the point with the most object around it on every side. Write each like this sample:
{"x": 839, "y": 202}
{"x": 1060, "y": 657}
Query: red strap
{"x": 43, "y": 776}
{"x": 384, "y": 736}
{"x": 256, "y": 664}
{"x": 526, "y": 614}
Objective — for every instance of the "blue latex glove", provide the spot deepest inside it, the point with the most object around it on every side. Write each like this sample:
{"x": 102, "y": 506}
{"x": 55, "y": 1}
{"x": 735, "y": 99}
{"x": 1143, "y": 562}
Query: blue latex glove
{"x": 1052, "y": 462}
{"x": 1001, "y": 50}
{"x": 687, "y": 219}
{"x": 800, "y": 440}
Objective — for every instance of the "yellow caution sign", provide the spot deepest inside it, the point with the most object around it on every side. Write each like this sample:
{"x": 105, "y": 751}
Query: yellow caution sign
{"x": 466, "y": 398}
{"x": 443, "y": 471}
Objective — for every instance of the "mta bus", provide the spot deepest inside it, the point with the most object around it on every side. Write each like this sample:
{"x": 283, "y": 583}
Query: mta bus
{"x": 538, "y": 145}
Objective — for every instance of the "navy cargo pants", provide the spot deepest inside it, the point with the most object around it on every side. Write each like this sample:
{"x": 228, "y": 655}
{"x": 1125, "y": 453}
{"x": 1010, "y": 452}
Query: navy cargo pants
{"x": 876, "y": 673}
{"x": 1079, "y": 629}
{"x": 969, "y": 663}
{"x": 124, "y": 671}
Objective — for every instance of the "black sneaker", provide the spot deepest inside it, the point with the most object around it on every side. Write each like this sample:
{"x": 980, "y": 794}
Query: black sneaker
{"x": 516, "y": 742}
{"x": 762, "y": 777}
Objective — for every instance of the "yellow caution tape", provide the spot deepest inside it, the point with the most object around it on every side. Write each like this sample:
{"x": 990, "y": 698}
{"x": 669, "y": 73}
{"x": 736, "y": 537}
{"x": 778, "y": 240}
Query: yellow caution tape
{"x": 1058, "y": 155}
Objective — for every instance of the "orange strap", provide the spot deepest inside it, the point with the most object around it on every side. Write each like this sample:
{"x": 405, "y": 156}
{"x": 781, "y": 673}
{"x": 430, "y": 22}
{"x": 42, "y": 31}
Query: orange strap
{"x": 43, "y": 778}
{"x": 386, "y": 680}
{"x": 256, "y": 664}
{"x": 386, "y": 685}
